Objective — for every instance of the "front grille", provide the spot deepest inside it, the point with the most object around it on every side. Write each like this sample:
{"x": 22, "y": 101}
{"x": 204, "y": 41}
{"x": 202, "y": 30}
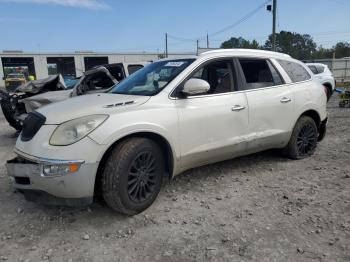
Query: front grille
{"x": 31, "y": 125}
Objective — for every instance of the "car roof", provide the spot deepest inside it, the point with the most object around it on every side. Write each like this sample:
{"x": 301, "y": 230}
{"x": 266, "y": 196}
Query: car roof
{"x": 316, "y": 64}
{"x": 245, "y": 52}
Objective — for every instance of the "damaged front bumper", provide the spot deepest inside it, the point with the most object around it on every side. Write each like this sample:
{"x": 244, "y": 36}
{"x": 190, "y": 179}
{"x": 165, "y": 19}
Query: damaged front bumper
{"x": 49, "y": 181}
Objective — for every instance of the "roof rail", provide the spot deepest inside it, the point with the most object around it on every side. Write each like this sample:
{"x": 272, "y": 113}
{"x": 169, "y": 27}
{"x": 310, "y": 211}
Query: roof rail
{"x": 240, "y": 50}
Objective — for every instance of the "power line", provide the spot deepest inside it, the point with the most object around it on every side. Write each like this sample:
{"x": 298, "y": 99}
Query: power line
{"x": 226, "y": 28}
{"x": 182, "y": 38}
{"x": 244, "y": 18}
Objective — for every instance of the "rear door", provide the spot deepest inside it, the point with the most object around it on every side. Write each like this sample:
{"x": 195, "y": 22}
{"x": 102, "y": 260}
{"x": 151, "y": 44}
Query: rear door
{"x": 212, "y": 125}
{"x": 270, "y": 104}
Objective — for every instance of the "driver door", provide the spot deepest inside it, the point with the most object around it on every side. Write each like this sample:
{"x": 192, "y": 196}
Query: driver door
{"x": 212, "y": 126}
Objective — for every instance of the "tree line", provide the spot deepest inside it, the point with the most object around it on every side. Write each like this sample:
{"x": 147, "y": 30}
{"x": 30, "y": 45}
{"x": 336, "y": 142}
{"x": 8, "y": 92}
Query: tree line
{"x": 299, "y": 46}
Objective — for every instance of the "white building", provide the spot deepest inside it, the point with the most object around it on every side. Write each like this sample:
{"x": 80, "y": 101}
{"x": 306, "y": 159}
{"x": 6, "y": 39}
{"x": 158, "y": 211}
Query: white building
{"x": 40, "y": 65}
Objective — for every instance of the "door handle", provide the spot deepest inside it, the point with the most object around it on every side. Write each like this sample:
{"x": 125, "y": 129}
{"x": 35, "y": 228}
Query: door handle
{"x": 237, "y": 108}
{"x": 285, "y": 100}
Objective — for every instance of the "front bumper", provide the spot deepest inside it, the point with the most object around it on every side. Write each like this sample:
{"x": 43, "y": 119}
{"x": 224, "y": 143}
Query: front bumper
{"x": 27, "y": 175}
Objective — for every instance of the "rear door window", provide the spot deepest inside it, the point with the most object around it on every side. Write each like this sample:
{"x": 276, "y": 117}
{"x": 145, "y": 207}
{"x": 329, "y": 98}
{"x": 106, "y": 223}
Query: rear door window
{"x": 259, "y": 73}
{"x": 295, "y": 71}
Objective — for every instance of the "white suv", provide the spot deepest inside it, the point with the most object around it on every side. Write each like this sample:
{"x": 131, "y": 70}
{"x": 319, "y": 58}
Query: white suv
{"x": 170, "y": 116}
{"x": 325, "y": 76}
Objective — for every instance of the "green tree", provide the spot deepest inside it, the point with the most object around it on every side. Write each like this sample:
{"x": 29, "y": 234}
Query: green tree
{"x": 296, "y": 45}
{"x": 342, "y": 49}
{"x": 240, "y": 42}
{"x": 322, "y": 53}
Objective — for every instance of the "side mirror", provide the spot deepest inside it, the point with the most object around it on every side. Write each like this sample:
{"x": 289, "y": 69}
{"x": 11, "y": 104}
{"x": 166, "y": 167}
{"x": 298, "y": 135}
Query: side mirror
{"x": 195, "y": 86}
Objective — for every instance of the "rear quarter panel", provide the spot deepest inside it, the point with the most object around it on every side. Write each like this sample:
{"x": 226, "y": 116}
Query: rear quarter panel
{"x": 309, "y": 95}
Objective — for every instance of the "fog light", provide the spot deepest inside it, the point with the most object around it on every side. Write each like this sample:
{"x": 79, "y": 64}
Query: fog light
{"x": 60, "y": 169}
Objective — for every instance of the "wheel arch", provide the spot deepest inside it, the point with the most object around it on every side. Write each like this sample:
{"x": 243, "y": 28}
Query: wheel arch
{"x": 159, "y": 139}
{"x": 314, "y": 115}
{"x": 328, "y": 85}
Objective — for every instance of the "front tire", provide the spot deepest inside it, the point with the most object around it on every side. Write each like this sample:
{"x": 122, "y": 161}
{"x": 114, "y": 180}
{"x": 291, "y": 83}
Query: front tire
{"x": 133, "y": 174}
{"x": 303, "y": 141}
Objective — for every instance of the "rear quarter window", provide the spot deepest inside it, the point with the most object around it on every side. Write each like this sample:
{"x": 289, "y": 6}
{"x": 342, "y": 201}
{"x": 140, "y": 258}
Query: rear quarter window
{"x": 320, "y": 69}
{"x": 295, "y": 71}
{"x": 313, "y": 69}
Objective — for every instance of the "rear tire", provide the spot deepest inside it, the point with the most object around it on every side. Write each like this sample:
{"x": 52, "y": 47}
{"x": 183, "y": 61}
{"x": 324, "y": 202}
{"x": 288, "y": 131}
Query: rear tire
{"x": 133, "y": 174}
{"x": 303, "y": 141}
{"x": 9, "y": 114}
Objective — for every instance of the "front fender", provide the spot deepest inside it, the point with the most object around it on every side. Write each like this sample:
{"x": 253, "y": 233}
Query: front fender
{"x": 103, "y": 137}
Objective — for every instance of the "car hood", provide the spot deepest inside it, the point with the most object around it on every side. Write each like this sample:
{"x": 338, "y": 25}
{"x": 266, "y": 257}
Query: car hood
{"x": 104, "y": 103}
{"x": 34, "y": 102}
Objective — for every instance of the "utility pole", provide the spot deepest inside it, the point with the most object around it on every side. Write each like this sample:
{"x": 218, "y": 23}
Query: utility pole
{"x": 274, "y": 9}
{"x": 166, "y": 45}
{"x": 207, "y": 40}
{"x": 197, "y": 45}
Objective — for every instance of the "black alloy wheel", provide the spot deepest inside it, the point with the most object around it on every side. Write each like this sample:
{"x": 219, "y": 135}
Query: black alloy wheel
{"x": 306, "y": 140}
{"x": 142, "y": 177}
{"x": 132, "y": 175}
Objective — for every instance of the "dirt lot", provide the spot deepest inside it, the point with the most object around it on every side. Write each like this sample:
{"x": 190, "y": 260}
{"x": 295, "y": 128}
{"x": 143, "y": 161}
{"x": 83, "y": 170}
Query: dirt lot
{"x": 257, "y": 208}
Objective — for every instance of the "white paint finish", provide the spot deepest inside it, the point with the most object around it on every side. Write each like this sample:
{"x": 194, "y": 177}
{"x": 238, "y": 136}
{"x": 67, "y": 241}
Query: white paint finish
{"x": 85, "y": 149}
{"x": 95, "y": 103}
{"x": 209, "y": 129}
{"x": 61, "y": 186}
{"x": 269, "y": 115}
{"x": 326, "y": 77}
{"x": 199, "y": 130}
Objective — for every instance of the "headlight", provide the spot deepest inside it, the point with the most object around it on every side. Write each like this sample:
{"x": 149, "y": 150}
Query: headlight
{"x": 72, "y": 131}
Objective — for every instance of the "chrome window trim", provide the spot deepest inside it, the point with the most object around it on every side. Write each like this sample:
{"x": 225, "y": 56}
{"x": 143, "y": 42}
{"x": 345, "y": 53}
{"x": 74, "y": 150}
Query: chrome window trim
{"x": 171, "y": 97}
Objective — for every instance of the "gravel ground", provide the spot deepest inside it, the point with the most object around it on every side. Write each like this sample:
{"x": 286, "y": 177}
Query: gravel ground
{"x": 257, "y": 208}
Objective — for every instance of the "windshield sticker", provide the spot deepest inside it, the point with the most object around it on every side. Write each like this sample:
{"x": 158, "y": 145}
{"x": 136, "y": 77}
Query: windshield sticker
{"x": 174, "y": 64}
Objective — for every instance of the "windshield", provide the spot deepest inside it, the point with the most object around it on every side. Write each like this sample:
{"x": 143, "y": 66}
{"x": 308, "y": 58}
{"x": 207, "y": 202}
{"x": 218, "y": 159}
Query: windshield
{"x": 151, "y": 79}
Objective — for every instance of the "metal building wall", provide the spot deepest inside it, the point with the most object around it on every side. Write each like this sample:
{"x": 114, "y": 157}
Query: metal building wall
{"x": 41, "y": 68}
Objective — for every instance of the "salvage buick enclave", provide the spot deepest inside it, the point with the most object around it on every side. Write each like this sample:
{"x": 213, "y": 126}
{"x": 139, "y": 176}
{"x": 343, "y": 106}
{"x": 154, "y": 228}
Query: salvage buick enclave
{"x": 172, "y": 115}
